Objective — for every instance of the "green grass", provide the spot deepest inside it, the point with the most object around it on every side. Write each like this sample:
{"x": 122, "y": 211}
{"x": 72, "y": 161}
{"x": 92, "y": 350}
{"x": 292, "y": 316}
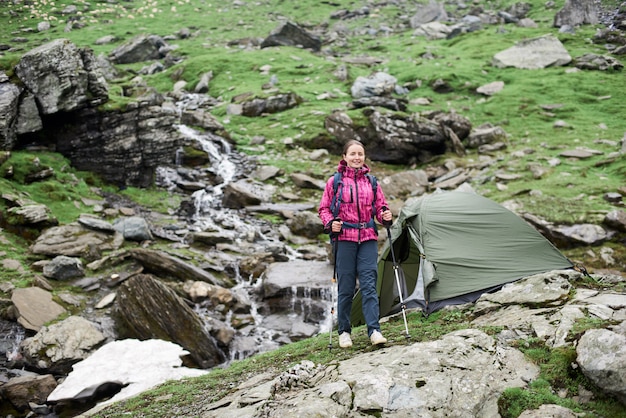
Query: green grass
{"x": 570, "y": 192}
{"x": 559, "y": 383}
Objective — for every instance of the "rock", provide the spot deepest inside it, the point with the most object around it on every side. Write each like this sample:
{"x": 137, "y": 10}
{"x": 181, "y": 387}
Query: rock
{"x": 28, "y": 119}
{"x": 63, "y": 268}
{"x": 62, "y": 77}
{"x": 22, "y": 391}
{"x": 168, "y": 266}
{"x": 408, "y": 183}
{"x": 147, "y": 309}
{"x": 305, "y": 181}
{"x": 377, "y": 84}
{"x": 133, "y": 228}
{"x": 468, "y": 362}
{"x": 9, "y": 99}
{"x": 74, "y": 240}
{"x": 58, "y": 346}
{"x": 431, "y": 12}
{"x": 95, "y": 223}
{"x": 34, "y": 307}
{"x": 291, "y": 34}
{"x": 544, "y": 51}
{"x": 601, "y": 355}
{"x": 139, "y": 49}
{"x": 272, "y": 104}
{"x": 491, "y": 88}
{"x": 552, "y": 411}
{"x": 246, "y": 192}
{"x": 577, "y": 12}
{"x": 616, "y": 219}
{"x": 590, "y": 61}
{"x": 305, "y": 223}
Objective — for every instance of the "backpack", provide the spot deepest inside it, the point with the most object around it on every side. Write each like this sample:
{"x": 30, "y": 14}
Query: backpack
{"x": 336, "y": 201}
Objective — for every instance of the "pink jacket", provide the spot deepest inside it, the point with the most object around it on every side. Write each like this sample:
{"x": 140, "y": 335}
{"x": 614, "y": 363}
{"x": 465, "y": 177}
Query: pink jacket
{"x": 356, "y": 205}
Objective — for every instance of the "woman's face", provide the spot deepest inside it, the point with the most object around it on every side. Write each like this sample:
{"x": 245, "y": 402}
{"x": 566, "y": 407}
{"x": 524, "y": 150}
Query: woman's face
{"x": 355, "y": 156}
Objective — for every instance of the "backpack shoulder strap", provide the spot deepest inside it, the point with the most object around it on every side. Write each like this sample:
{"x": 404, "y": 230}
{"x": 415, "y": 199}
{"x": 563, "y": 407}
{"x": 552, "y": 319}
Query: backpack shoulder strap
{"x": 337, "y": 194}
{"x": 374, "y": 182}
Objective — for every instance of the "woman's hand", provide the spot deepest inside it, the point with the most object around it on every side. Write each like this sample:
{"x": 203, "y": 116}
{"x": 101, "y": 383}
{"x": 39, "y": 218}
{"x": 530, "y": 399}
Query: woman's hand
{"x": 386, "y": 215}
{"x": 336, "y": 226}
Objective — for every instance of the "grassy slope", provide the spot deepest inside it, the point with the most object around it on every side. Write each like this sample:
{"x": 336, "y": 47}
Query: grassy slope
{"x": 571, "y": 191}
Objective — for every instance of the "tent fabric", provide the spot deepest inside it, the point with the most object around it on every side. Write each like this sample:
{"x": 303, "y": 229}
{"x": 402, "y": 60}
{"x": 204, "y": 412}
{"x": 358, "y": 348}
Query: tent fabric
{"x": 451, "y": 247}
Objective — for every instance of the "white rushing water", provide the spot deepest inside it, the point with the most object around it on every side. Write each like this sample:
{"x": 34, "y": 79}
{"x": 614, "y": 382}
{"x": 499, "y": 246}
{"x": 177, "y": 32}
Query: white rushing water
{"x": 210, "y": 215}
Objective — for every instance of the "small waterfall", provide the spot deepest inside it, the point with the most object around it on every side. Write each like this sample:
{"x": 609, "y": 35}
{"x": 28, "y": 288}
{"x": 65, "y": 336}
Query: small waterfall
{"x": 253, "y": 333}
{"x": 12, "y": 335}
{"x": 179, "y": 156}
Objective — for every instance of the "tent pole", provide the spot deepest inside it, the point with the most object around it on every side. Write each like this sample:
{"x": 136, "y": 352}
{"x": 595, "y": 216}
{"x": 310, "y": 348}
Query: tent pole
{"x": 387, "y": 225}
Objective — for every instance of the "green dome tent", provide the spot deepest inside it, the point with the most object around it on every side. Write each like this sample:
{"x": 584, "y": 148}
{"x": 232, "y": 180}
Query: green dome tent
{"x": 451, "y": 247}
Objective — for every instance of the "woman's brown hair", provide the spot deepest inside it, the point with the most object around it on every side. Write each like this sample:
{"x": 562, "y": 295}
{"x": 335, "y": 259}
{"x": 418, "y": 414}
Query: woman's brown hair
{"x": 350, "y": 143}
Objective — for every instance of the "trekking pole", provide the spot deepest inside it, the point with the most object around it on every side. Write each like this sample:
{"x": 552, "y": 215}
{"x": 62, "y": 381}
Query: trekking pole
{"x": 387, "y": 225}
{"x": 333, "y": 280}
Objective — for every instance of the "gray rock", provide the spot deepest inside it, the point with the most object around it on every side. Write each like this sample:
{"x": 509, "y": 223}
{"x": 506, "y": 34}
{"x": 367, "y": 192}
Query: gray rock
{"x": 305, "y": 223}
{"x": 74, "y": 240}
{"x": 616, "y": 219}
{"x": 601, "y": 355}
{"x": 133, "y": 228}
{"x": 33, "y": 307}
{"x": 467, "y": 362}
{"x": 246, "y": 192}
{"x": 58, "y": 346}
{"x": 63, "y": 268}
{"x": 62, "y": 77}
{"x": 140, "y": 48}
{"x": 544, "y": 51}
{"x": 291, "y": 34}
{"x": 148, "y": 309}
{"x": 576, "y": 13}
{"x": 9, "y": 99}
{"x": 28, "y": 119}
{"x": 377, "y": 84}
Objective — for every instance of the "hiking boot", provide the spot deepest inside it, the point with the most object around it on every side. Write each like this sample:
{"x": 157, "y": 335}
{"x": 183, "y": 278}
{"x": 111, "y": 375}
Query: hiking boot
{"x": 377, "y": 338}
{"x": 344, "y": 340}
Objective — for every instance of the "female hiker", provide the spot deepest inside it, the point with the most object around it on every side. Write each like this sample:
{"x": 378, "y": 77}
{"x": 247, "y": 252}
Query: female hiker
{"x": 351, "y": 203}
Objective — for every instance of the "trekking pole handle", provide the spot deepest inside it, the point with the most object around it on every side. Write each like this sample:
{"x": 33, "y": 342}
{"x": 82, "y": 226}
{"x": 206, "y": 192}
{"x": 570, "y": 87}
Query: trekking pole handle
{"x": 386, "y": 223}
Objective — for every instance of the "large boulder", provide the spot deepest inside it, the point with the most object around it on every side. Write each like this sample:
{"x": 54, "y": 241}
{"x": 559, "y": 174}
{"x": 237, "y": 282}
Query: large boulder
{"x": 531, "y": 54}
{"x": 601, "y": 354}
{"x": 62, "y": 77}
{"x": 148, "y": 309}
